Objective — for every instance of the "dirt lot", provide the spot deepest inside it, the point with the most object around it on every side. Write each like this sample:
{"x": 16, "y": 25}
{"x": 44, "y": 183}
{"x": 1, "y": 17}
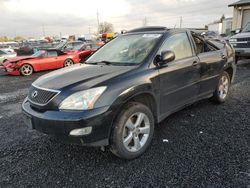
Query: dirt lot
{"x": 204, "y": 145}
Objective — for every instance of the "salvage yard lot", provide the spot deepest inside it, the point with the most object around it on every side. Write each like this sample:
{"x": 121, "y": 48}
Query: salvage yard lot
{"x": 202, "y": 145}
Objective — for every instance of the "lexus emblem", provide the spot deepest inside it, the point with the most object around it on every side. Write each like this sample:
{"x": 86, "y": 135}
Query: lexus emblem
{"x": 34, "y": 94}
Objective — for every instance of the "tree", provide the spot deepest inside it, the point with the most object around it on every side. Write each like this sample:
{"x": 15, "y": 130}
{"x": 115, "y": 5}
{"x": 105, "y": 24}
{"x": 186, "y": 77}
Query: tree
{"x": 4, "y": 39}
{"x": 222, "y": 18}
{"x": 19, "y": 39}
{"x": 106, "y": 27}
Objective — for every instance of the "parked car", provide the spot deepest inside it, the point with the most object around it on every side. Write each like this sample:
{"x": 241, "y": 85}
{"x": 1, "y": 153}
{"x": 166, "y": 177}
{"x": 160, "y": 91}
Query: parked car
{"x": 83, "y": 50}
{"x": 40, "y": 61}
{"x": 241, "y": 43}
{"x": 5, "y": 54}
{"x": 128, "y": 85}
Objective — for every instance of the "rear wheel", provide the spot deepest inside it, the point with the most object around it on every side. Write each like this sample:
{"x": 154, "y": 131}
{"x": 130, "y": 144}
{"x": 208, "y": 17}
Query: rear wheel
{"x": 221, "y": 93}
{"x": 133, "y": 131}
{"x": 68, "y": 62}
{"x": 26, "y": 70}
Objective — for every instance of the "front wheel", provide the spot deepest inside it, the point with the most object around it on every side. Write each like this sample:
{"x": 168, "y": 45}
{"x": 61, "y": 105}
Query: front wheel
{"x": 26, "y": 70}
{"x": 132, "y": 131}
{"x": 221, "y": 93}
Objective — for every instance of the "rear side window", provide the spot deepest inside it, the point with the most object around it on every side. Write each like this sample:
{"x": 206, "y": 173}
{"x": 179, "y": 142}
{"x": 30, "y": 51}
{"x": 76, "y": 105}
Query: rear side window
{"x": 52, "y": 53}
{"x": 179, "y": 44}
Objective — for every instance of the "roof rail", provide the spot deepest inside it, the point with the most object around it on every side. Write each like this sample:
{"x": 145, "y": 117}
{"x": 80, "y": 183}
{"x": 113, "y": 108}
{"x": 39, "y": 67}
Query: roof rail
{"x": 145, "y": 29}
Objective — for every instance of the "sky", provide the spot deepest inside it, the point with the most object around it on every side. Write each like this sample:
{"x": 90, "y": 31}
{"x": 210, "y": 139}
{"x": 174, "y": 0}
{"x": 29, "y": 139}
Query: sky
{"x": 33, "y": 18}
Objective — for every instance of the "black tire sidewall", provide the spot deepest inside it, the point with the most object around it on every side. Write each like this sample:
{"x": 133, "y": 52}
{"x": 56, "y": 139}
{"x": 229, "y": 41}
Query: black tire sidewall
{"x": 117, "y": 146}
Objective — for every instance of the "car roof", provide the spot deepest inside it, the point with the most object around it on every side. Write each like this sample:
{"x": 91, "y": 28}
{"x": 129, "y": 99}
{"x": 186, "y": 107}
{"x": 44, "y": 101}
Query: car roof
{"x": 156, "y": 29}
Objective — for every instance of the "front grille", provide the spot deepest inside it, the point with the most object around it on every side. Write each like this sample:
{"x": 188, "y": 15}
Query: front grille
{"x": 41, "y": 96}
{"x": 243, "y": 45}
{"x": 243, "y": 39}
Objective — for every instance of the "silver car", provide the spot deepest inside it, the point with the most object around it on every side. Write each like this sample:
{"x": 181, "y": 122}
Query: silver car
{"x": 5, "y": 54}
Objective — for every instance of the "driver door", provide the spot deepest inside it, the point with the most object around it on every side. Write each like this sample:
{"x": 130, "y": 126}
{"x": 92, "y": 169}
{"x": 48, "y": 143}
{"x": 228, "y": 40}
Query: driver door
{"x": 50, "y": 61}
{"x": 179, "y": 79}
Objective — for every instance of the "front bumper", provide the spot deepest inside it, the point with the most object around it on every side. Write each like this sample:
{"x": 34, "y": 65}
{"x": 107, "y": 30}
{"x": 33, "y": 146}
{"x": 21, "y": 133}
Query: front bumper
{"x": 61, "y": 123}
{"x": 9, "y": 70}
{"x": 242, "y": 52}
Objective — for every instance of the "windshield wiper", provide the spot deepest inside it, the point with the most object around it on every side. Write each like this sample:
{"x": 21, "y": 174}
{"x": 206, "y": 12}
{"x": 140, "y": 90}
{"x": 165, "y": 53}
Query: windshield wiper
{"x": 105, "y": 62}
{"x": 100, "y": 62}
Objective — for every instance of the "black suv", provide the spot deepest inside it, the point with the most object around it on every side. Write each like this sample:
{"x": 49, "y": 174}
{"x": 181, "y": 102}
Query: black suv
{"x": 133, "y": 82}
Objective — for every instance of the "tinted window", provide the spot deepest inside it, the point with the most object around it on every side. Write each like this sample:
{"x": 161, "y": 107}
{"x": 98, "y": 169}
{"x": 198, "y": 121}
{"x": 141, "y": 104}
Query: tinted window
{"x": 126, "y": 49}
{"x": 52, "y": 53}
{"x": 2, "y": 53}
{"x": 179, "y": 44}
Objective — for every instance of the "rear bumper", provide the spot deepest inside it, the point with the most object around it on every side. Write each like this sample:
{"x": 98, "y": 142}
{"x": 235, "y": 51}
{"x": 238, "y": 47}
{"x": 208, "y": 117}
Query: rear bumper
{"x": 60, "y": 124}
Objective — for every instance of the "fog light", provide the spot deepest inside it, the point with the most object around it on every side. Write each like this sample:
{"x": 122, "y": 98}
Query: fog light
{"x": 81, "y": 132}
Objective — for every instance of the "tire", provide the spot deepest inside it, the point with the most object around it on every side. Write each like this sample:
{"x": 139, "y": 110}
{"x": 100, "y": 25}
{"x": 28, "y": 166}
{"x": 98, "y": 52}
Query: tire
{"x": 127, "y": 139}
{"x": 237, "y": 58}
{"x": 68, "y": 62}
{"x": 221, "y": 93}
{"x": 26, "y": 70}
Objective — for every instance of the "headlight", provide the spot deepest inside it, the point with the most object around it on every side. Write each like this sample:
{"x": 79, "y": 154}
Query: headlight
{"x": 233, "y": 40}
{"x": 82, "y": 100}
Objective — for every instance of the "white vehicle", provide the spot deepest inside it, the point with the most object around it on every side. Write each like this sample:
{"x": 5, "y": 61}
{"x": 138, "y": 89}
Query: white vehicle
{"x": 5, "y": 54}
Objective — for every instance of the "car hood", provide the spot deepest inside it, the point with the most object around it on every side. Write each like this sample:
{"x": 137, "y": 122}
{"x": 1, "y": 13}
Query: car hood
{"x": 19, "y": 58}
{"x": 80, "y": 76}
{"x": 241, "y": 35}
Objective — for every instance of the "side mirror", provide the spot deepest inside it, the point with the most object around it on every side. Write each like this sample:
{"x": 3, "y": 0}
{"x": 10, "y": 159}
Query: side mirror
{"x": 237, "y": 31}
{"x": 165, "y": 57}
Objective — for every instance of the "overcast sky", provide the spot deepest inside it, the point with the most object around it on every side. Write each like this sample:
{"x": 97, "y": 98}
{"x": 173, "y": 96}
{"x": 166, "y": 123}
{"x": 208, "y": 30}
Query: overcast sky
{"x": 29, "y": 17}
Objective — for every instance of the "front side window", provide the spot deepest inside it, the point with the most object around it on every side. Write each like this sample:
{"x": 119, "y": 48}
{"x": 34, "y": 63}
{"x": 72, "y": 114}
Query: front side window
{"x": 126, "y": 49}
{"x": 179, "y": 44}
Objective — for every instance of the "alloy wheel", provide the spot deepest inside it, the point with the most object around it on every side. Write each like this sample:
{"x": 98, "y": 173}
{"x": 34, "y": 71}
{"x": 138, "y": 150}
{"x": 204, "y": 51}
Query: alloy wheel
{"x": 26, "y": 70}
{"x": 223, "y": 87}
{"x": 68, "y": 63}
{"x": 136, "y": 132}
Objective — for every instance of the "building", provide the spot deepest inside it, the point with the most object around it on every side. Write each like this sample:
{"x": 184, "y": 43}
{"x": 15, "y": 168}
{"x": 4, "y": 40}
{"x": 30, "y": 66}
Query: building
{"x": 221, "y": 27}
{"x": 215, "y": 27}
{"x": 241, "y": 14}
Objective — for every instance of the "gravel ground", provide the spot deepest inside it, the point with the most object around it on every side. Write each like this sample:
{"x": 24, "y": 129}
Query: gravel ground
{"x": 204, "y": 145}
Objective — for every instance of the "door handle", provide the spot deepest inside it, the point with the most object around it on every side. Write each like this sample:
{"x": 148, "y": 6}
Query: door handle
{"x": 195, "y": 63}
{"x": 223, "y": 56}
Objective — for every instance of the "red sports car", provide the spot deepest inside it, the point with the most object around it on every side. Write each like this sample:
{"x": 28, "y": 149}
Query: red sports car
{"x": 40, "y": 61}
{"x": 83, "y": 50}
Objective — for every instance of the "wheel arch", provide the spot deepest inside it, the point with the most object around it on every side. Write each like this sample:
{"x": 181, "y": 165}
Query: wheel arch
{"x": 230, "y": 72}
{"x": 27, "y": 63}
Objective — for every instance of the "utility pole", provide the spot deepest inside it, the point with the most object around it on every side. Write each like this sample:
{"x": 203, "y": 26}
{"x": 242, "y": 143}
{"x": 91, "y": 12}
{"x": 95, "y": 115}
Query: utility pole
{"x": 89, "y": 29}
{"x": 43, "y": 30}
{"x": 98, "y": 22}
{"x": 144, "y": 22}
{"x": 181, "y": 22}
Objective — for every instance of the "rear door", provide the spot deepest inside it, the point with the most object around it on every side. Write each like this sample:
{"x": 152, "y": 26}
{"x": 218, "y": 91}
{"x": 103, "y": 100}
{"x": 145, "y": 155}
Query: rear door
{"x": 179, "y": 79}
{"x": 212, "y": 61}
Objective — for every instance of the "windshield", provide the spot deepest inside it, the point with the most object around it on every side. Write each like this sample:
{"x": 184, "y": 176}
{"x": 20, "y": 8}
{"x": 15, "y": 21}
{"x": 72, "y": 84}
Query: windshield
{"x": 128, "y": 49}
{"x": 60, "y": 45}
{"x": 74, "y": 47}
{"x": 247, "y": 28}
{"x": 40, "y": 53}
